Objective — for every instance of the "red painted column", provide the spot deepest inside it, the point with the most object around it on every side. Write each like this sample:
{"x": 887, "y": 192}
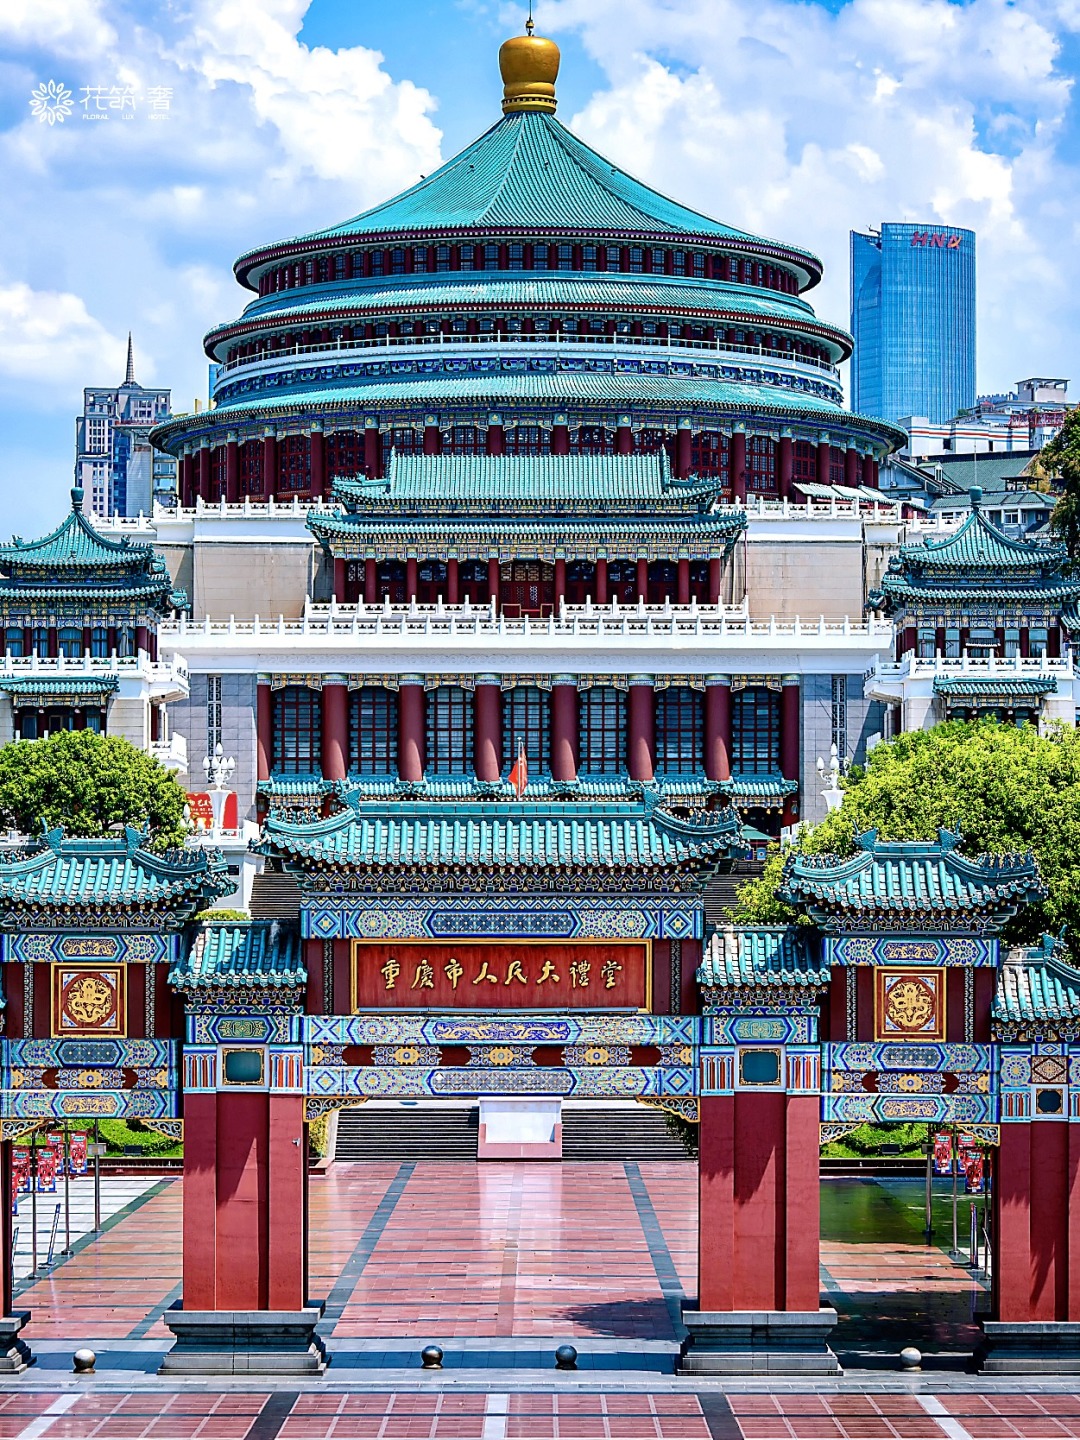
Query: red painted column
{"x": 412, "y": 577}
{"x": 790, "y": 742}
{"x": 643, "y": 578}
{"x": 851, "y": 466}
{"x": 624, "y": 437}
{"x": 738, "y": 465}
{"x": 641, "y": 726}
{"x": 560, "y": 583}
{"x": 560, "y": 438}
{"x": 872, "y": 477}
{"x": 339, "y": 578}
{"x": 716, "y": 577}
{"x": 245, "y": 1202}
{"x": 432, "y": 437}
{"x": 187, "y": 480}
{"x": 824, "y": 461}
{"x": 411, "y": 725}
{"x": 371, "y": 581}
{"x": 1037, "y": 1222}
{"x": 487, "y": 728}
{"x": 232, "y": 470}
{"x": 493, "y": 579}
{"x": 682, "y": 583}
{"x": 718, "y": 727}
{"x": 716, "y": 1203}
{"x": 142, "y": 639}
{"x": 453, "y": 583}
{"x": 335, "y": 728}
{"x": 496, "y": 435}
{"x": 372, "y": 450}
{"x": 785, "y": 466}
{"x": 317, "y": 442}
{"x": 269, "y": 465}
{"x": 204, "y": 471}
{"x": 564, "y": 728}
{"x": 683, "y": 452}
{"x": 601, "y": 582}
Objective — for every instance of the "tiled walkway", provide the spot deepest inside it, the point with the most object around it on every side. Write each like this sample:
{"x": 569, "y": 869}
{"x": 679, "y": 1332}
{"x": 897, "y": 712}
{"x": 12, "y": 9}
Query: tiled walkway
{"x": 601, "y": 1254}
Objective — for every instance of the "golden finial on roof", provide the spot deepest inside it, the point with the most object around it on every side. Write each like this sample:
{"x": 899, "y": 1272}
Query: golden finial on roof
{"x": 529, "y": 66}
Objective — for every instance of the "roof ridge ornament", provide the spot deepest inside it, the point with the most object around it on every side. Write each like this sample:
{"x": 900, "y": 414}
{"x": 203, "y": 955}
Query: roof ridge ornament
{"x": 529, "y": 65}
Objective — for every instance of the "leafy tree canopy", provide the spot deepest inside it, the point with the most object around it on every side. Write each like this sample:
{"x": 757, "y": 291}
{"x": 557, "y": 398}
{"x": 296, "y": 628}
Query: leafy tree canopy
{"x": 90, "y": 785}
{"x": 1059, "y": 460}
{"x": 1005, "y": 788}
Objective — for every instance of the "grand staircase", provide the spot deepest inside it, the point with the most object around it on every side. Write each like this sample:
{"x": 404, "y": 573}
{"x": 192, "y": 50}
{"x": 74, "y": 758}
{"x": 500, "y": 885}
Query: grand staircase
{"x": 615, "y": 1133}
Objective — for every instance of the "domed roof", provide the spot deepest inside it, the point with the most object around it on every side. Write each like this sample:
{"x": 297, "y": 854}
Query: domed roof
{"x": 529, "y": 172}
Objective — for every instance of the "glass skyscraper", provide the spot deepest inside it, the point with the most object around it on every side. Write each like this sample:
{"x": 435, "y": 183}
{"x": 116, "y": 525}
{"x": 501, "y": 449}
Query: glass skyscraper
{"x": 913, "y": 319}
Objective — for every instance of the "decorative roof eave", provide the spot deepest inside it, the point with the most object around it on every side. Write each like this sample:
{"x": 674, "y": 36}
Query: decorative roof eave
{"x": 29, "y": 692}
{"x": 1037, "y": 995}
{"x": 274, "y": 321}
{"x": 895, "y": 594}
{"x": 75, "y": 546}
{"x": 915, "y": 882}
{"x": 208, "y": 423}
{"x": 1005, "y": 687}
{"x": 226, "y": 956}
{"x": 57, "y": 595}
{"x": 317, "y": 244}
{"x": 781, "y": 956}
{"x": 99, "y": 878}
{"x": 348, "y": 533}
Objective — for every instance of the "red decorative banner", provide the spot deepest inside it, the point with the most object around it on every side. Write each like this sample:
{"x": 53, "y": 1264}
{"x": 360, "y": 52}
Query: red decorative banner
{"x": 500, "y": 975}
{"x": 201, "y": 810}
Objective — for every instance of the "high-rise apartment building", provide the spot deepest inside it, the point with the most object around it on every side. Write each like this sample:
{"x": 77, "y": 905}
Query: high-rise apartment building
{"x": 115, "y": 464}
{"x": 913, "y": 319}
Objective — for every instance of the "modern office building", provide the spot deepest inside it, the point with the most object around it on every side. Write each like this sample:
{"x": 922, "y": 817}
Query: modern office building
{"x": 913, "y": 320}
{"x": 116, "y": 467}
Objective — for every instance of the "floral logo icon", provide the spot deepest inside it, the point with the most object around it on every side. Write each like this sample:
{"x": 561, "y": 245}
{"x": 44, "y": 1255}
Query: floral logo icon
{"x": 51, "y": 102}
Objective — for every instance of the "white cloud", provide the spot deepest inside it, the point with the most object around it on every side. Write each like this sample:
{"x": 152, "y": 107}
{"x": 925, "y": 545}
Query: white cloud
{"x": 64, "y": 27}
{"x": 789, "y": 120}
{"x": 49, "y": 337}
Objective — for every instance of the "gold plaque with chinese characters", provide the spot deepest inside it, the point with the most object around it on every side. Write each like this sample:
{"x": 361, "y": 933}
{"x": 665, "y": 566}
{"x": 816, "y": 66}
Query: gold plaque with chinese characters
{"x": 88, "y": 1000}
{"x": 909, "y": 1004}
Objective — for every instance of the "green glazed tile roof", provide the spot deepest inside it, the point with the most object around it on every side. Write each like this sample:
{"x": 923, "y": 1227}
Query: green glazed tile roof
{"x": 978, "y": 686}
{"x": 766, "y": 789}
{"x": 75, "y": 560}
{"x": 977, "y": 562}
{"x": 544, "y": 289}
{"x": 909, "y": 876}
{"x": 61, "y": 686}
{"x": 232, "y": 957}
{"x": 678, "y": 789}
{"x": 471, "y": 536}
{"x": 774, "y": 955}
{"x": 545, "y": 478}
{"x": 115, "y": 873}
{"x": 1038, "y": 985}
{"x": 612, "y": 390}
{"x": 529, "y": 170}
{"x": 503, "y": 834}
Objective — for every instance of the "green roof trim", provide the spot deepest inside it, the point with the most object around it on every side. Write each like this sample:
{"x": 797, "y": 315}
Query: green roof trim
{"x": 117, "y": 873}
{"x": 781, "y": 955}
{"x": 529, "y": 170}
{"x": 507, "y": 835}
{"x": 1036, "y": 987}
{"x": 231, "y": 956}
{"x": 30, "y": 690}
{"x": 977, "y": 687}
{"x": 770, "y": 789}
{"x": 890, "y": 878}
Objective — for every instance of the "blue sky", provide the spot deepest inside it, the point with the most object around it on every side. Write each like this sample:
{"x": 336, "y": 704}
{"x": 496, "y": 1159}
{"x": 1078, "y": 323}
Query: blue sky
{"x": 790, "y": 118}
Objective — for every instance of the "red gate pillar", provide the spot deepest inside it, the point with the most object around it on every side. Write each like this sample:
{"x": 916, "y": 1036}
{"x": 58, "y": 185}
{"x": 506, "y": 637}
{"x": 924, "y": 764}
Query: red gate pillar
{"x": 1035, "y": 1302}
{"x": 245, "y": 1308}
{"x": 15, "y": 1354}
{"x": 759, "y": 1304}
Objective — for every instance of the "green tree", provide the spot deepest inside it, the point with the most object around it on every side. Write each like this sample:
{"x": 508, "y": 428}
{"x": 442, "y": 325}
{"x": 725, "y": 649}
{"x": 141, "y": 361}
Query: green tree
{"x": 1005, "y": 788}
{"x": 90, "y": 785}
{"x": 1059, "y": 461}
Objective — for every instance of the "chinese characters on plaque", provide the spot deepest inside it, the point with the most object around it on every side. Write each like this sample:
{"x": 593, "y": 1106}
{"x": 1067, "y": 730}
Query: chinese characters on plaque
{"x": 475, "y": 975}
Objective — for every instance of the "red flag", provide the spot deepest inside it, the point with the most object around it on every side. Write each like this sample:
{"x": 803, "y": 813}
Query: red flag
{"x": 519, "y": 775}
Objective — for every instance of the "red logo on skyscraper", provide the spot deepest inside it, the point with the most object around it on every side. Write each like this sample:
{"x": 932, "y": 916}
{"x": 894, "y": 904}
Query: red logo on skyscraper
{"x": 936, "y": 239}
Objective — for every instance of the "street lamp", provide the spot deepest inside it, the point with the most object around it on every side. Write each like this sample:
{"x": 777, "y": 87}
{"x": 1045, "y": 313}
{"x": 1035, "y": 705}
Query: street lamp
{"x": 832, "y": 793}
{"x": 219, "y": 767}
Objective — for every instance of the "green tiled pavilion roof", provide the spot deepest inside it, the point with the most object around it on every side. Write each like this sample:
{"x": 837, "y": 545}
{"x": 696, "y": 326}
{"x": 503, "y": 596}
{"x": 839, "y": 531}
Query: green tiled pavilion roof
{"x": 226, "y": 956}
{"x": 910, "y": 878}
{"x": 977, "y": 562}
{"x": 774, "y": 955}
{"x": 31, "y": 690}
{"x": 751, "y": 790}
{"x": 505, "y": 834}
{"x": 106, "y": 875}
{"x": 1035, "y": 989}
{"x": 81, "y": 564}
{"x": 528, "y": 170}
{"x": 978, "y": 686}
